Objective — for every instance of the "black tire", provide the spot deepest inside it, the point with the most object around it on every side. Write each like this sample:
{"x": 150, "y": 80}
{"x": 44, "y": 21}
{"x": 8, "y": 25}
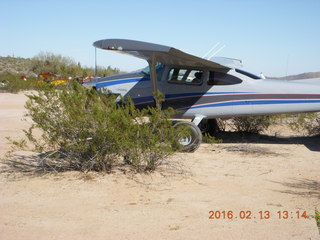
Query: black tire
{"x": 209, "y": 126}
{"x": 192, "y": 141}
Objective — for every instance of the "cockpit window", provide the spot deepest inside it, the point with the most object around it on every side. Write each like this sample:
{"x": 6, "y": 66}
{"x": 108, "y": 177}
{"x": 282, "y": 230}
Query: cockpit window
{"x": 250, "y": 75}
{"x": 159, "y": 70}
{"x": 146, "y": 70}
{"x": 220, "y": 78}
{"x": 185, "y": 76}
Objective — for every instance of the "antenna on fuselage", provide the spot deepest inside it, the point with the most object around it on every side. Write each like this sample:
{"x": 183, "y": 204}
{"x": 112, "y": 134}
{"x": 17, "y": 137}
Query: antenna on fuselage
{"x": 205, "y": 56}
{"x": 213, "y": 51}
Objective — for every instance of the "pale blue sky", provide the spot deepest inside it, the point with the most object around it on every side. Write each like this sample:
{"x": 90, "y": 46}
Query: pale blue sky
{"x": 274, "y": 37}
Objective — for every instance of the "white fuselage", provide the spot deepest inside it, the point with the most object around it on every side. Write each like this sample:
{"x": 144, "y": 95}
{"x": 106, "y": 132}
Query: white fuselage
{"x": 218, "y": 94}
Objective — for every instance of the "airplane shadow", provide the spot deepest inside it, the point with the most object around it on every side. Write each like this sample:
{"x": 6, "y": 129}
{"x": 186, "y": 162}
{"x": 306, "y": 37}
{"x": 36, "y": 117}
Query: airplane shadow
{"x": 312, "y": 142}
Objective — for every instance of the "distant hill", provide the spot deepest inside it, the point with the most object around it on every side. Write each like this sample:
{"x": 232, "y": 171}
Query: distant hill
{"x": 299, "y": 76}
{"x": 48, "y": 62}
{"x": 15, "y": 65}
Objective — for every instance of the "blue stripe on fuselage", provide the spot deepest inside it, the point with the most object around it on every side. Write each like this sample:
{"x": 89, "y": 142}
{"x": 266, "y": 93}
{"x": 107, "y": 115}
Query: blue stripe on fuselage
{"x": 178, "y": 95}
{"x": 147, "y": 99}
{"x": 122, "y": 81}
{"x": 232, "y": 103}
{"x": 251, "y": 102}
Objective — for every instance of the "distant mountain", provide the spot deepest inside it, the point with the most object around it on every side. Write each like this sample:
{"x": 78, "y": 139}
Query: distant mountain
{"x": 299, "y": 76}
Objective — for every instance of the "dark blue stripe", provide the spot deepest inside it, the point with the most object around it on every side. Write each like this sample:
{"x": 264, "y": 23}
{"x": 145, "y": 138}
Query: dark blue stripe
{"x": 200, "y": 94}
{"x": 173, "y": 96}
{"x": 250, "y": 102}
{"x": 123, "y": 81}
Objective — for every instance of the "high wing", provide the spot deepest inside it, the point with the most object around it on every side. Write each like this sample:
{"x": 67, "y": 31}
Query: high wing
{"x": 164, "y": 54}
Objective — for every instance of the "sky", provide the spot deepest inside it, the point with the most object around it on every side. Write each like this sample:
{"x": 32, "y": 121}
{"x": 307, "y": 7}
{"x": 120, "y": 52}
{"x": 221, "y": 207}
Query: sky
{"x": 276, "y": 37}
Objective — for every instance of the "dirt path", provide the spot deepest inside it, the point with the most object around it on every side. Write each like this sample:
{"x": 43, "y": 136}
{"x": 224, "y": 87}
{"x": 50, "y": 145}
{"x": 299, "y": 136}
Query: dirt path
{"x": 253, "y": 180}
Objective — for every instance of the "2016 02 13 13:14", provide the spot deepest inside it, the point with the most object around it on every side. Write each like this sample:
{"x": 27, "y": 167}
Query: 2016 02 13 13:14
{"x": 263, "y": 214}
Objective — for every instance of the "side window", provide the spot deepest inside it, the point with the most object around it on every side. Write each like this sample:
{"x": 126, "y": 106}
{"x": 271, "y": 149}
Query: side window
{"x": 185, "y": 76}
{"x": 176, "y": 75}
{"x": 220, "y": 78}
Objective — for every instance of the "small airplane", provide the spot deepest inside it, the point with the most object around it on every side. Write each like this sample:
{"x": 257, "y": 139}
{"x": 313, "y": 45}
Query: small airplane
{"x": 203, "y": 89}
{"x": 51, "y": 78}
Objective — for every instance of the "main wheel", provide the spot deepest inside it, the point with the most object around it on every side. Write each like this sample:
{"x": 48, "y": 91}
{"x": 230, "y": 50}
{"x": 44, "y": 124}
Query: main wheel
{"x": 191, "y": 137}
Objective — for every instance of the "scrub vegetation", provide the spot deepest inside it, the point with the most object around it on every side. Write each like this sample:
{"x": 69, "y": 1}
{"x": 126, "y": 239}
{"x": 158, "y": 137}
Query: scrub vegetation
{"x": 65, "y": 66}
{"x": 77, "y": 129}
{"x": 317, "y": 218}
{"x": 13, "y": 83}
{"x": 13, "y": 70}
{"x": 306, "y": 123}
{"x": 252, "y": 124}
{"x": 309, "y": 122}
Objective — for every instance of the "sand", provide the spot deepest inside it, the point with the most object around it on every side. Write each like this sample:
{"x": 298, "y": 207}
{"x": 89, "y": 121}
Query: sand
{"x": 261, "y": 178}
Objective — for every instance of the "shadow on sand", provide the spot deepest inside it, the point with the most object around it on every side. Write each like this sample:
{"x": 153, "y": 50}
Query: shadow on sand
{"x": 301, "y": 187}
{"x": 312, "y": 142}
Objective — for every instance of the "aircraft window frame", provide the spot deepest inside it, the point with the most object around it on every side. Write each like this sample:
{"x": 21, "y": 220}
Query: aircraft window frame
{"x": 223, "y": 79}
{"x": 185, "y": 76}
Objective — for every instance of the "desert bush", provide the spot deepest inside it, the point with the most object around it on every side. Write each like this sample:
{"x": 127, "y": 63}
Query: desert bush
{"x": 58, "y": 64}
{"x": 317, "y": 217}
{"x": 306, "y": 121}
{"x": 315, "y": 128}
{"x": 65, "y": 66}
{"x": 207, "y": 138}
{"x": 13, "y": 83}
{"x": 84, "y": 130}
{"x": 252, "y": 124}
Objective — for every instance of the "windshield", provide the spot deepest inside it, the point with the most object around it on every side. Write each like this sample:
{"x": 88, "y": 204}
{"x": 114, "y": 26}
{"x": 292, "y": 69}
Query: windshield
{"x": 146, "y": 70}
{"x": 159, "y": 70}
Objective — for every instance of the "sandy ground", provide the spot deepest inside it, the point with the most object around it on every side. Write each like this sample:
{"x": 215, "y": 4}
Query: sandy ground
{"x": 253, "y": 178}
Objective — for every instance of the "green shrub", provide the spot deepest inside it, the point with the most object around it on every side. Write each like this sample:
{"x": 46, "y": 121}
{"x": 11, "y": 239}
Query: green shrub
{"x": 317, "y": 217}
{"x": 65, "y": 66}
{"x": 306, "y": 121}
{"x": 315, "y": 129}
{"x": 13, "y": 83}
{"x": 84, "y": 130}
{"x": 252, "y": 124}
{"x": 207, "y": 138}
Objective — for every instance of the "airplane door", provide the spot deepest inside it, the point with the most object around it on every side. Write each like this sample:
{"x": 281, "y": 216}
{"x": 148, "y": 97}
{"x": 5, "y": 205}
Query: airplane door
{"x": 182, "y": 87}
